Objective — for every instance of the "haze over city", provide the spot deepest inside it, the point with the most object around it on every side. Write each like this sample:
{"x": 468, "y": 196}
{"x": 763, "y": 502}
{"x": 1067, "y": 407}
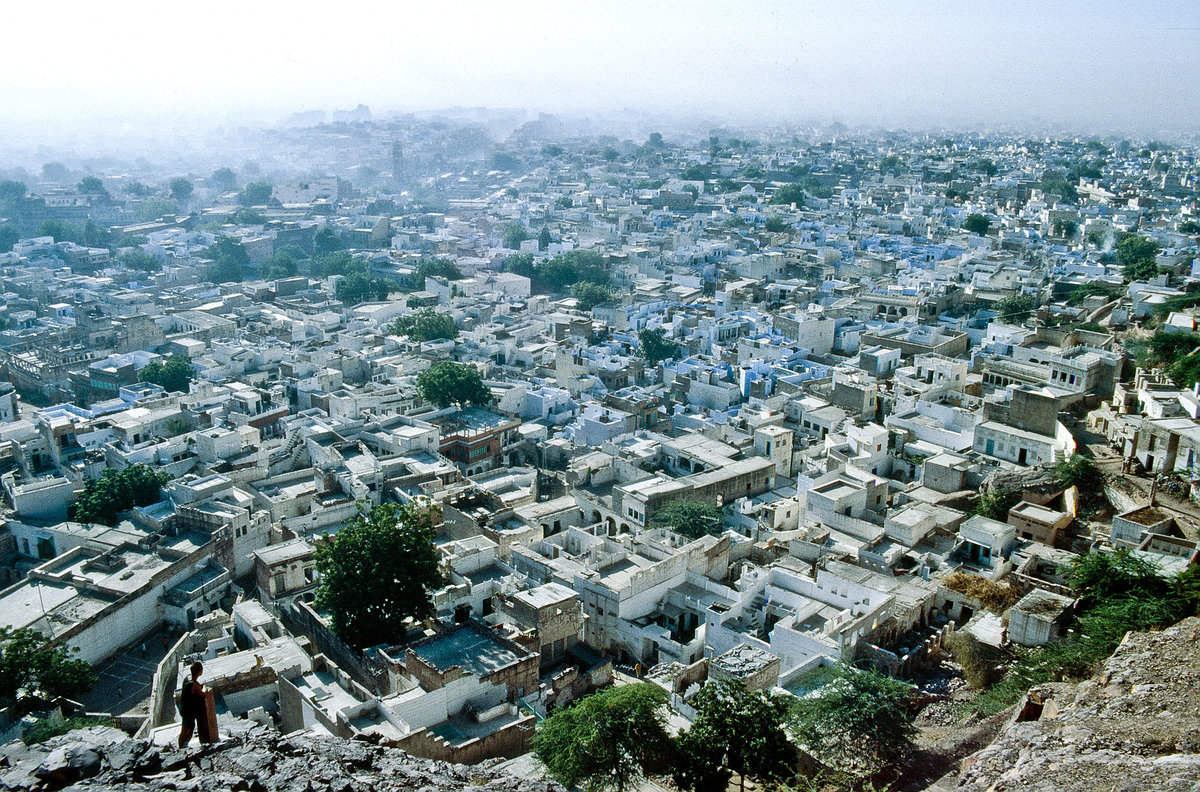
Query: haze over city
{"x": 135, "y": 68}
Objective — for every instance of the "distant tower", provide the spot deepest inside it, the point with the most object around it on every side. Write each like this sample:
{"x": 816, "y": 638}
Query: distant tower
{"x": 397, "y": 160}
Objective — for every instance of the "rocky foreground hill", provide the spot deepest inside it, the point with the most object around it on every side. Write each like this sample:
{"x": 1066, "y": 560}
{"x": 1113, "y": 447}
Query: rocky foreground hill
{"x": 258, "y": 760}
{"x": 1134, "y": 726}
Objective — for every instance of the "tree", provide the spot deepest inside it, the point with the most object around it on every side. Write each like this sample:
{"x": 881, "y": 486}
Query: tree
{"x": 608, "y": 740}
{"x": 861, "y": 721}
{"x": 30, "y": 666}
{"x": 60, "y": 231}
{"x": 609, "y": 154}
{"x": 140, "y": 260}
{"x": 1014, "y": 308}
{"x": 977, "y": 224}
{"x": 775, "y": 224}
{"x": 54, "y": 172}
{"x": 9, "y": 236}
{"x": 1137, "y": 256}
{"x": 514, "y": 233}
{"x": 743, "y": 729}
{"x": 441, "y": 267}
{"x": 691, "y": 517}
{"x": 1100, "y": 576}
{"x": 1065, "y": 228}
{"x": 91, "y": 185}
{"x": 425, "y": 325}
{"x": 789, "y": 194}
{"x": 359, "y": 286}
{"x": 229, "y": 260}
{"x": 655, "y": 140}
{"x": 589, "y": 295}
{"x": 655, "y": 346}
{"x": 255, "y": 194}
{"x": 446, "y": 382}
{"x": 174, "y": 374}
{"x": 115, "y": 491}
{"x": 1078, "y": 471}
{"x": 282, "y": 264}
{"x": 337, "y": 263}
{"x": 552, "y": 150}
{"x": 995, "y": 504}
{"x": 544, "y": 238}
{"x": 181, "y": 189}
{"x": 325, "y": 242}
{"x": 224, "y": 178}
{"x": 376, "y": 573}
{"x": 11, "y": 192}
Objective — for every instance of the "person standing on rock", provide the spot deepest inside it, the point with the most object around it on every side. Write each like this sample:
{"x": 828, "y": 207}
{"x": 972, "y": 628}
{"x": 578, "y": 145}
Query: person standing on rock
{"x": 192, "y": 707}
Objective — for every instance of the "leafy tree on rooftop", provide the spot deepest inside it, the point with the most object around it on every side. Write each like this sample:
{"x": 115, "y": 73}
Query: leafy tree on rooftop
{"x": 977, "y": 224}
{"x": 377, "y": 572}
{"x": 609, "y": 740}
{"x": 741, "y": 729}
{"x": 446, "y": 382}
{"x": 30, "y": 667}
{"x": 115, "y": 491}
{"x": 691, "y": 517}
{"x": 181, "y": 189}
{"x": 173, "y": 374}
{"x": 1136, "y": 254}
{"x": 229, "y": 260}
{"x": 655, "y": 346}
{"x": 860, "y": 722}
{"x": 425, "y": 324}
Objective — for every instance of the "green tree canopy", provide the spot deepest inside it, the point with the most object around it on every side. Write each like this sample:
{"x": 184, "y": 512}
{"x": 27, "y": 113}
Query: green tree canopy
{"x": 229, "y": 260}
{"x": 325, "y": 242}
{"x": 11, "y": 191}
{"x": 282, "y": 264}
{"x": 9, "y": 236}
{"x": 60, "y": 231}
{"x": 377, "y": 572}
{"x": 173, "y": 374}
{"x": 691, "y": 517}
{"x": 224, "y": 178}
{"x": 1079, "y": 471}
{"x": 255, "y": 194}
{"x": 425, "y": 324}
{"x": 1015, "y": 308}
{"x": 181, "y": 188}
{"x": 30, "y": 666}
{"x": 115, "y": 491}
{"x": 789, "y": 194}
{"x": 440, "y": 267}
{"x": 589, "y": 295}
{"x": 860, "y": 722}
{"x": 743, "y": 729}
{"x": 608, "y": 740}
{"x": 1105, "y": 576}
{"x": 140, "y": 260}
{"x": 91, "y": 186}
{"x": 544, "y": 238}
{"x": 513, "y": 233}
{"x": 446, "y": 382}
{"x": 561, "y": 272}
{"x": 655, "y": 346}
{"x": 1137, "y": 256}
{"x": 977, "y": 224}
{"x": 339, "y": 262}
{"x": 359, "y": 286}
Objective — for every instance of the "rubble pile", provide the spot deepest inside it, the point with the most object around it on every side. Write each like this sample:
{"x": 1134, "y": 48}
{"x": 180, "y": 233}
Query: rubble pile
{"x": 1135, "y": 726}
{"x": 256, "y": 760}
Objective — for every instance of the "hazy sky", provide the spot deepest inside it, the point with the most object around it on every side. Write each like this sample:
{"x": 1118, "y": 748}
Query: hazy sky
{"x": 1126, "y": 66}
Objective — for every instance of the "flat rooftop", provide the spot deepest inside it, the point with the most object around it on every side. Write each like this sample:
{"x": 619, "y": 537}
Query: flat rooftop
{"x": 477, "y": 652}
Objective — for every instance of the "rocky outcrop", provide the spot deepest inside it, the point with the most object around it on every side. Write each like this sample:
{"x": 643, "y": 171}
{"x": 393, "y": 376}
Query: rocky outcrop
{"x": 256, "y": 760}
{"x": 1135, "y": 726}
